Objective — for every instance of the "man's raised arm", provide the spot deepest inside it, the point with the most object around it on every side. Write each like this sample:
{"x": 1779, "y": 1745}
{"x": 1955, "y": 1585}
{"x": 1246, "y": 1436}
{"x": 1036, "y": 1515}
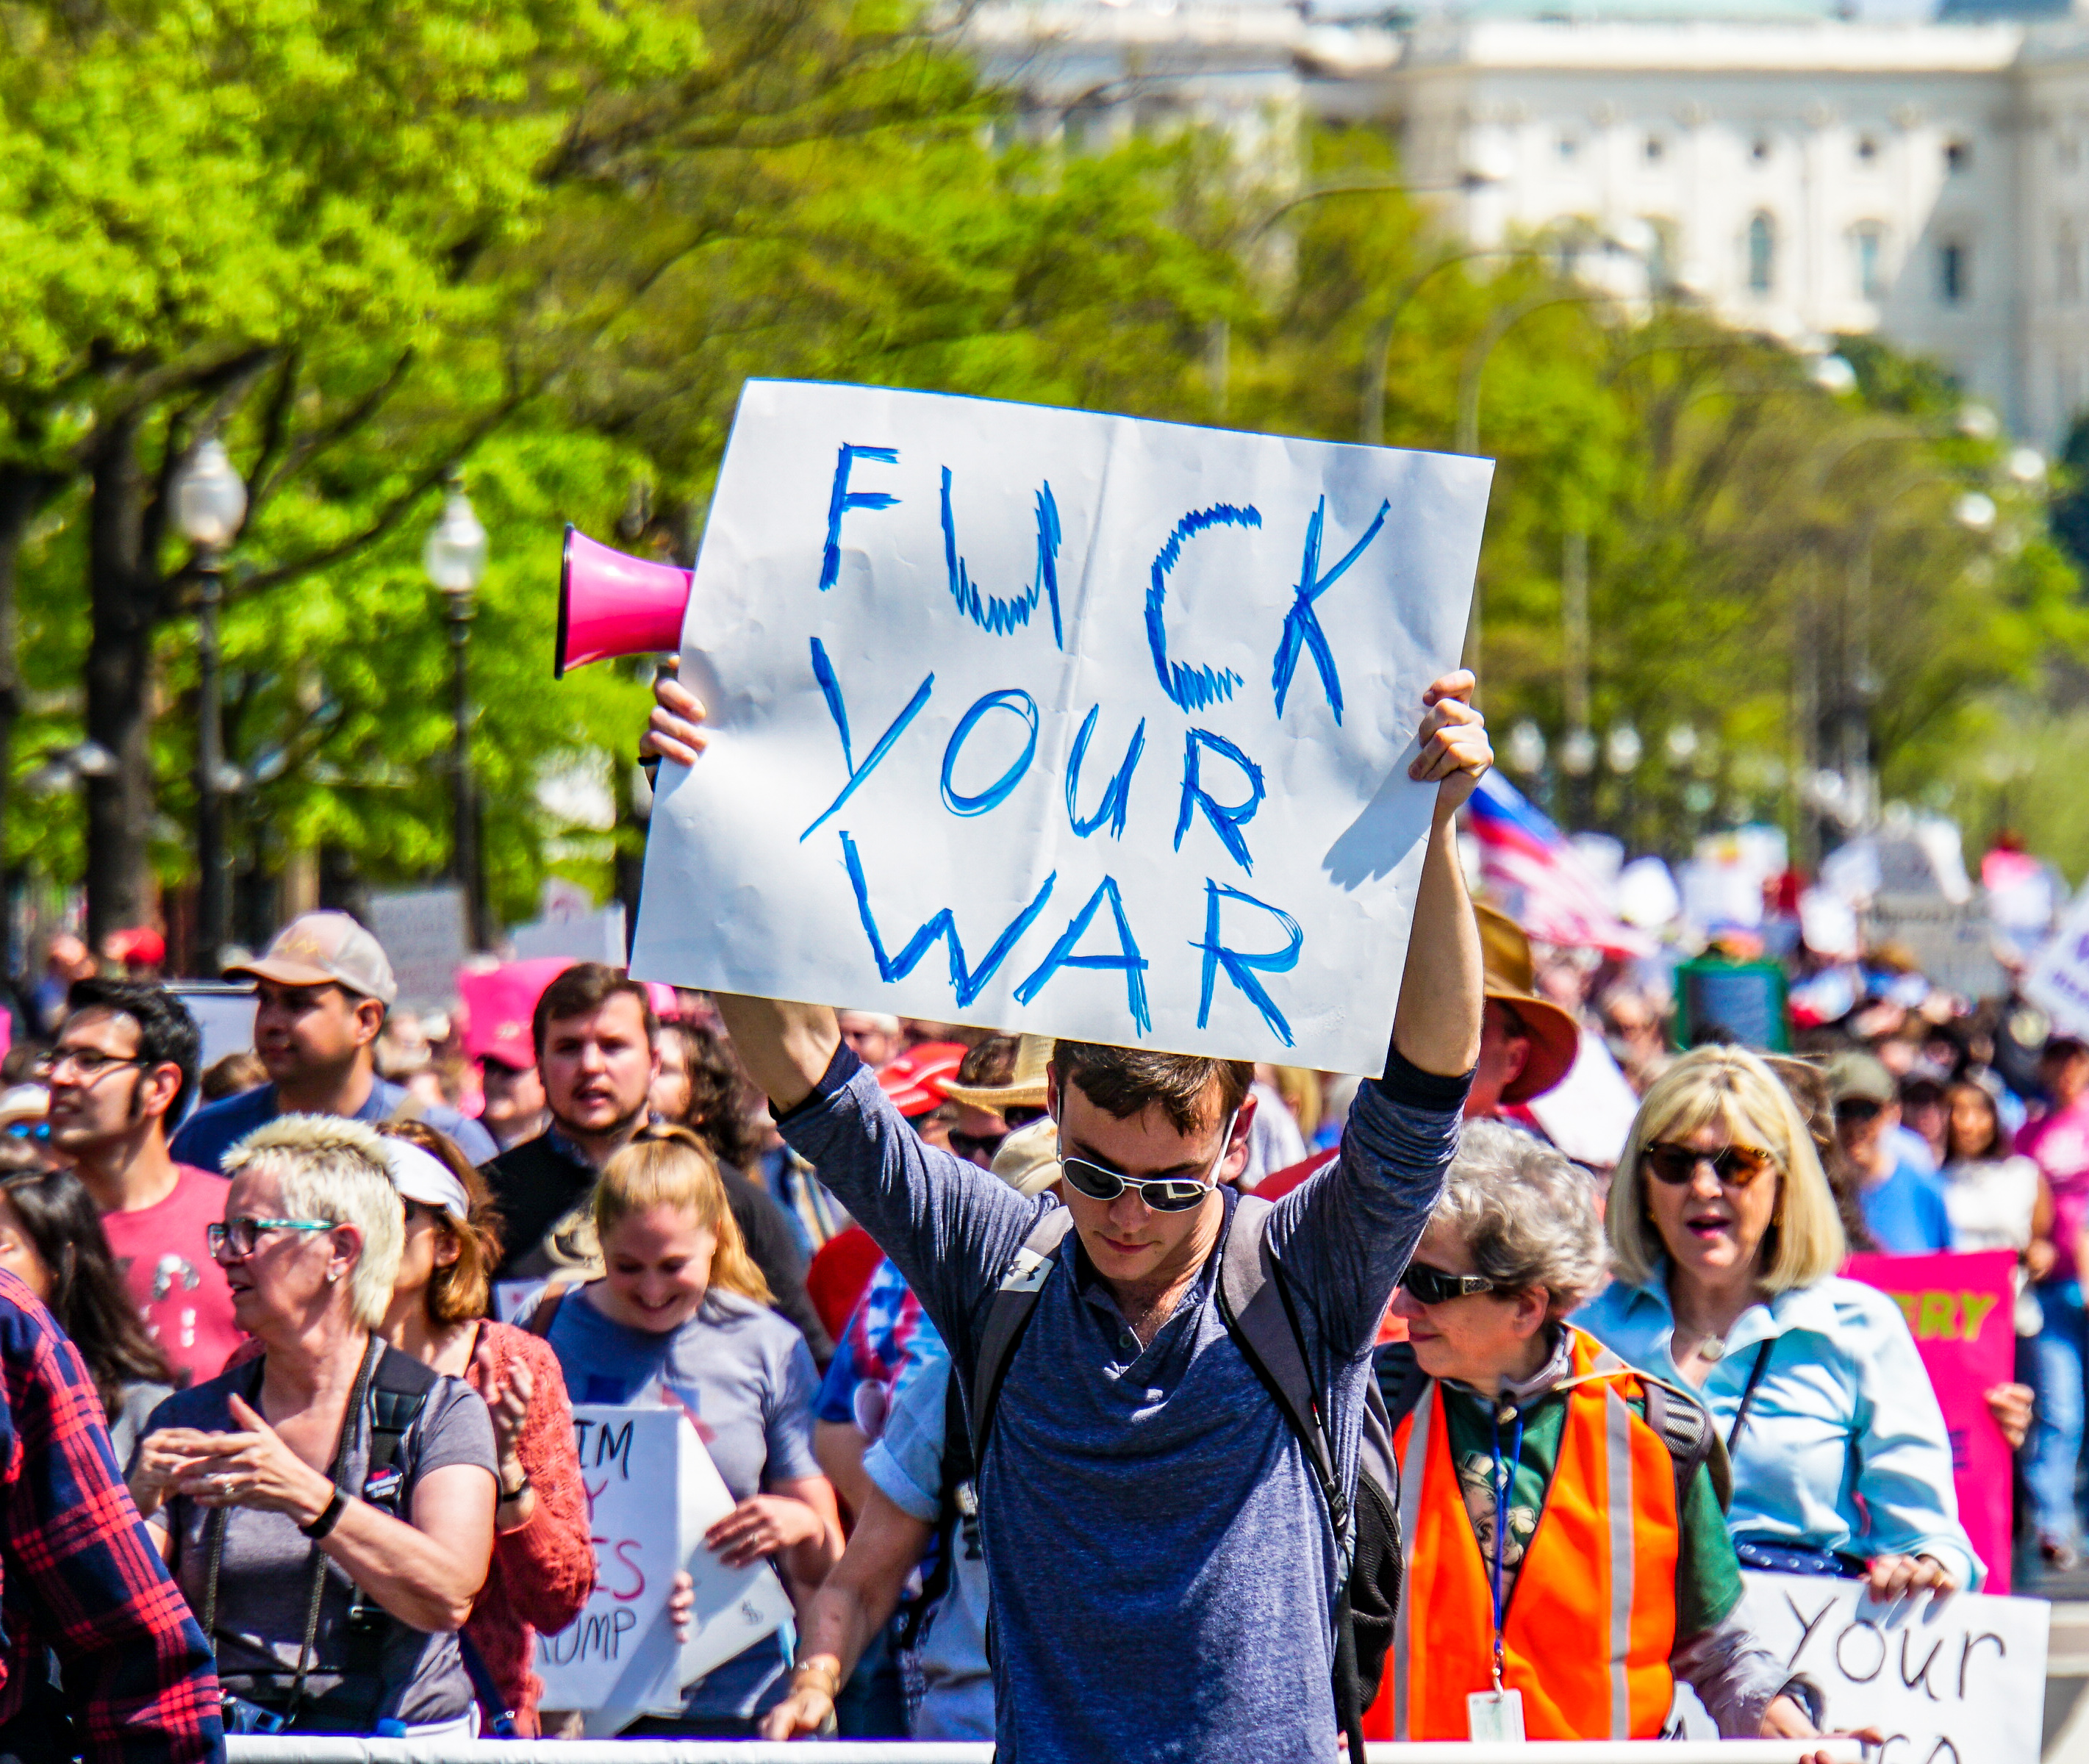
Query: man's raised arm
{"x": 1437, "y": 1025}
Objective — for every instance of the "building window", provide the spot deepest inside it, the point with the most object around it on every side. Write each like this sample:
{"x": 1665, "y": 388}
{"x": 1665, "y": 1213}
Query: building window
{"x": 1957, "y": 158}
{"x": 1660, "y": 254}
{"x": 2066, "y": 267}
{"x": 1954, "y": 274}
{"x": 1657, "y": 149}
{"x": 1762, "y": 254}
{"x": 1759, "y": 150}
{"x": 1868, "y": 255}
{"x": 1868, "y": 150}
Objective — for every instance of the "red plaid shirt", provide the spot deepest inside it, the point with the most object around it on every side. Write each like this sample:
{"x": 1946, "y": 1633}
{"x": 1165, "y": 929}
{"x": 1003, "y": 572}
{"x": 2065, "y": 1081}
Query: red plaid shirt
{"x": 78, "y": 1572}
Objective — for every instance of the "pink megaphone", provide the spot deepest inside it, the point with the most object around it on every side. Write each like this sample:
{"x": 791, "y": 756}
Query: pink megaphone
{"x": 610, "y": 604}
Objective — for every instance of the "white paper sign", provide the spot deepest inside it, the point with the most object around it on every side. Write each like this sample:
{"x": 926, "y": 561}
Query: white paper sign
{"x": 619, "y": 1653}
{"x": 1963, "y": 1683}
{"x": 1060, "y": 722}
{"x": 423, "y": 931}
{"x": 734, "y": 1607}
{"x": 1589, "y": 1113}
{"x": 2058, "y": 983}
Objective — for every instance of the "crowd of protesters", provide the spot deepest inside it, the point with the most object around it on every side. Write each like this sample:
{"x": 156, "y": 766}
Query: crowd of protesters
{"x": 257, "y": 1325}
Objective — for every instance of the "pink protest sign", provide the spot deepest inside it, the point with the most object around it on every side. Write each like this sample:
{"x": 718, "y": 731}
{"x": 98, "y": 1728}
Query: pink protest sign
{"x": 1960, "y": 1309}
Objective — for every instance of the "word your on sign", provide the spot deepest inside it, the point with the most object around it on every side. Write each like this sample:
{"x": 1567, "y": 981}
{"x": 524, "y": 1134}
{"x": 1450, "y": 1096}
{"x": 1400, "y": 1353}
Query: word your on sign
{"x": 1061, "y": 722}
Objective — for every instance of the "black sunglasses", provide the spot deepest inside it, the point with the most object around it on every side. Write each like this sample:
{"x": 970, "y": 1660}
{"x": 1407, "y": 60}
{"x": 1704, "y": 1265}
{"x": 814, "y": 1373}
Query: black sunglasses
{"x": 1859, "y": 1110}
{"x": 1736, "y": 1165}
{"x": 1433, "y": 1286}
{"x": 976, "y": 1148}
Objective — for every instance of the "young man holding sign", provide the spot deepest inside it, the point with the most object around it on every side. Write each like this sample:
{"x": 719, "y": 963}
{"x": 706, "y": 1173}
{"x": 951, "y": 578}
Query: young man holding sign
{"x": 1164, "y": 1573}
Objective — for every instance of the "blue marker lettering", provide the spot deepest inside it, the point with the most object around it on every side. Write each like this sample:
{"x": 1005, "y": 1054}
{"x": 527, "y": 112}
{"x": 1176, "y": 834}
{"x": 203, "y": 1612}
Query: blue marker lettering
{"x": 1241, "y": 967}
{"x": 1127, "y": 957}
{"x": 1002, "y": 617}
{"x": 1116, "y": 799}
{"x": 1191, "y": 689}
{"x": 967, "y": 984}
{"x": 823, "y": 671}
{"x": 845, "y": 498}
{"x": 1227, "y": 819}
{"x": 1301, "y": 624}
{"x": 995, "y": 794}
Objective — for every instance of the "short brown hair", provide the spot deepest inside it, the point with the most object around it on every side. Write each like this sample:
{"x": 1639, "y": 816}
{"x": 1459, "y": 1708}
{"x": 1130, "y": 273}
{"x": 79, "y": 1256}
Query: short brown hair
{"x": 458, "y": 1293}
{"x": 581, "y": 990}
{"x": 1127, "y": 1081}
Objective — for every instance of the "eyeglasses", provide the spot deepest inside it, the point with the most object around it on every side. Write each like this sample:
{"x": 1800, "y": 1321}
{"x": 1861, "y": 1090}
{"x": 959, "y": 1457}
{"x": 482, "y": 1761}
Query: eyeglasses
{"x": 1433, "y": 1286}
{"x": 88, "y": 1062}
{"x": 1163, "y": 1194}
{"x": 1735, "y": 1165}
{"x": 1859, "y": 1111}
{"x": 244, "y": 1233}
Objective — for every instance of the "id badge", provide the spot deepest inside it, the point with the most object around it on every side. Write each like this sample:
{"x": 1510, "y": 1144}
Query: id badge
{"x": 1494, "y": 1714}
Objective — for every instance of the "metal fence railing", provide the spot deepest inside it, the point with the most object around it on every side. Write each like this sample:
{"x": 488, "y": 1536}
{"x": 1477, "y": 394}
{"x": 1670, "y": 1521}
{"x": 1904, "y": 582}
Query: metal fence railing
{"x": 248, "y": 1749}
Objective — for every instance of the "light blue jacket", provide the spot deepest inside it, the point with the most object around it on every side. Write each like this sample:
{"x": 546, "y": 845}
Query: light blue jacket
{"x": 1844, "y": 1413}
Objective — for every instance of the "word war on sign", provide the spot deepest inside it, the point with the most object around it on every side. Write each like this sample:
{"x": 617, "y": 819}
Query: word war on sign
{"x": 1058, "y": 721}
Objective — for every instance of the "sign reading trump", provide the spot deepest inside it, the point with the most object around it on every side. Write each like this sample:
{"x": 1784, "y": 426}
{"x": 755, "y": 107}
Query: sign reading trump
{"x": 1060, "y": 722}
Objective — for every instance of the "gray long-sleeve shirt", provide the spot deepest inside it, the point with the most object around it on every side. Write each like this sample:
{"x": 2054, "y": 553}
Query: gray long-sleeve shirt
{"x": 1161, "y": 1570}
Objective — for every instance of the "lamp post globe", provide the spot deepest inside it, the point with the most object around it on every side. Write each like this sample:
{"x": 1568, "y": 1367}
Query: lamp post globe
{"x": 454, "y": 559}
{"x": 210, "y": 503}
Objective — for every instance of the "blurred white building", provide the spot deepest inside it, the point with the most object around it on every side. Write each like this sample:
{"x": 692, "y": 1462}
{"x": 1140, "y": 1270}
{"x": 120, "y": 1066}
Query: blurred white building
{"x": 1801, "y": 174}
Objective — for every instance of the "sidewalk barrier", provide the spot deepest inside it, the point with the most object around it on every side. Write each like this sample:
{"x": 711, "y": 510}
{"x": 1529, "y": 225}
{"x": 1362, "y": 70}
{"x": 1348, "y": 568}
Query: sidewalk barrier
{"x": 253, "y": 1749}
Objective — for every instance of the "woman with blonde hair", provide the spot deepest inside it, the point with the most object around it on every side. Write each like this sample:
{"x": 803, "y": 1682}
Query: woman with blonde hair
{"x": 543, "y": 1566}
{"x": 1725, "y": 1247}
{"x": 681, "y": 1316}
{"x": 328, "y": 1508}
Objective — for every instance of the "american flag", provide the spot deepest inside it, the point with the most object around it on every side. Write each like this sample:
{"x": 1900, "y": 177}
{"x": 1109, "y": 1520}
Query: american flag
{"x": 1540, "y": 880}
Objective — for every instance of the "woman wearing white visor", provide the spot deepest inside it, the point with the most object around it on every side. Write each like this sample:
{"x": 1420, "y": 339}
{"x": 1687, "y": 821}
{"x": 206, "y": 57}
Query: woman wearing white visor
{"x": 543, "y": 1566}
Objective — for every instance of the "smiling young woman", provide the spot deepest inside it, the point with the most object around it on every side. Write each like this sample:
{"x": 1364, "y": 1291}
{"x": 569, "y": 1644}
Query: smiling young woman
{"x": 1725, "y": 1246}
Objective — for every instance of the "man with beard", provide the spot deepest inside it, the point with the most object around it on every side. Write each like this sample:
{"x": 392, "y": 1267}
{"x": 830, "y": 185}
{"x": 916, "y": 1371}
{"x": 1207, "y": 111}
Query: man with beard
{"x": 597, "y": 1050}
{"x": 322, "y": 988}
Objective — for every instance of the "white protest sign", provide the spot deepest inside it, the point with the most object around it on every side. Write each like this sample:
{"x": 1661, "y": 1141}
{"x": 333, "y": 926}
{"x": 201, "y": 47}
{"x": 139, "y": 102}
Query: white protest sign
{"x": 2058, "y": 982}
{"x": 1962, "y": 1682}
{"x": 734, "y": 1607}
{"x": 1060, "y": 722}
{"x": 422, "y": 930}
{"x": 620, "y": 1654}
{"x": 1589, "y": 1113}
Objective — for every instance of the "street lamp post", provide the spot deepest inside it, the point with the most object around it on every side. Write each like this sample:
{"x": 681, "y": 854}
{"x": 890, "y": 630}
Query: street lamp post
{"x": 454, "y": 559}
{"x": 210, "y": 502}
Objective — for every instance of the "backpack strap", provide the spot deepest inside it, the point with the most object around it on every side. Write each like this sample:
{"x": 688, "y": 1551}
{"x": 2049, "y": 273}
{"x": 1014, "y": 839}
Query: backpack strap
{"x": 1014, "y": 1302}
{"x": 1686, "y": 1428}
{"x": 399, "y": 1391}
{"x": 546, "y": 1311}
{"x": 1254, "y": 1302}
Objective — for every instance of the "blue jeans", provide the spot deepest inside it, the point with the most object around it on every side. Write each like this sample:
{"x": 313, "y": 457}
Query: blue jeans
{"x": 2055, "y": 1448}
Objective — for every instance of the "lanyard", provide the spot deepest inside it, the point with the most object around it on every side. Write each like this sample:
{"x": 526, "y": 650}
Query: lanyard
{"x": 1504, "y": 1474}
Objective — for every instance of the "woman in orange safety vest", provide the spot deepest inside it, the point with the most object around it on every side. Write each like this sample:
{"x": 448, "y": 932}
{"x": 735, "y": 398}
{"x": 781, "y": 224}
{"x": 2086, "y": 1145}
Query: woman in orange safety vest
{"x": 1567, "y": 1552}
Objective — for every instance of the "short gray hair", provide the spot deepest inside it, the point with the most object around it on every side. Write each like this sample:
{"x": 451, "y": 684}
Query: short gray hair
{"x": 1527, "y": 1216}
{"x": 335, "y": 1169}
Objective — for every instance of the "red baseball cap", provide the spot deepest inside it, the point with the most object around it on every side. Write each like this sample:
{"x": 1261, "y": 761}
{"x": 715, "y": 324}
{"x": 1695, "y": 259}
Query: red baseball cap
{"x": 916, "y": 1080}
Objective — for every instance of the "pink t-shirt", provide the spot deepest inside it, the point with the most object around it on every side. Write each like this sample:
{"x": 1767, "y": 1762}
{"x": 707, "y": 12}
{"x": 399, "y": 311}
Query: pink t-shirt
{"x": 167, "y": 1265}
{"x": 2059, "y": 1145}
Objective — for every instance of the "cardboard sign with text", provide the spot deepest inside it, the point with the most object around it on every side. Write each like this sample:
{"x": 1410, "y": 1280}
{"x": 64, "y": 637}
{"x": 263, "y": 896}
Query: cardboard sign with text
{"x": 1047, "y": 720}
{"x": 1959, "y": 1683}
{"x": 1961, "y": 1311}
{"x": 652, "y": 1490}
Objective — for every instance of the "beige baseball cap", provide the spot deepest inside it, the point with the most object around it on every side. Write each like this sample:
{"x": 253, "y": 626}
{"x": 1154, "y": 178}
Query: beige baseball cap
{"x": 319, "y": 949}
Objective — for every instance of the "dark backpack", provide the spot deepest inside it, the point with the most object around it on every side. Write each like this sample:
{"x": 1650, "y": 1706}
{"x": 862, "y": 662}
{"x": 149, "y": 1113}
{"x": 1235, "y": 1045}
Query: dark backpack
{"x": 1681, "y": 1419}
{"x": 1256, "y": 1304}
